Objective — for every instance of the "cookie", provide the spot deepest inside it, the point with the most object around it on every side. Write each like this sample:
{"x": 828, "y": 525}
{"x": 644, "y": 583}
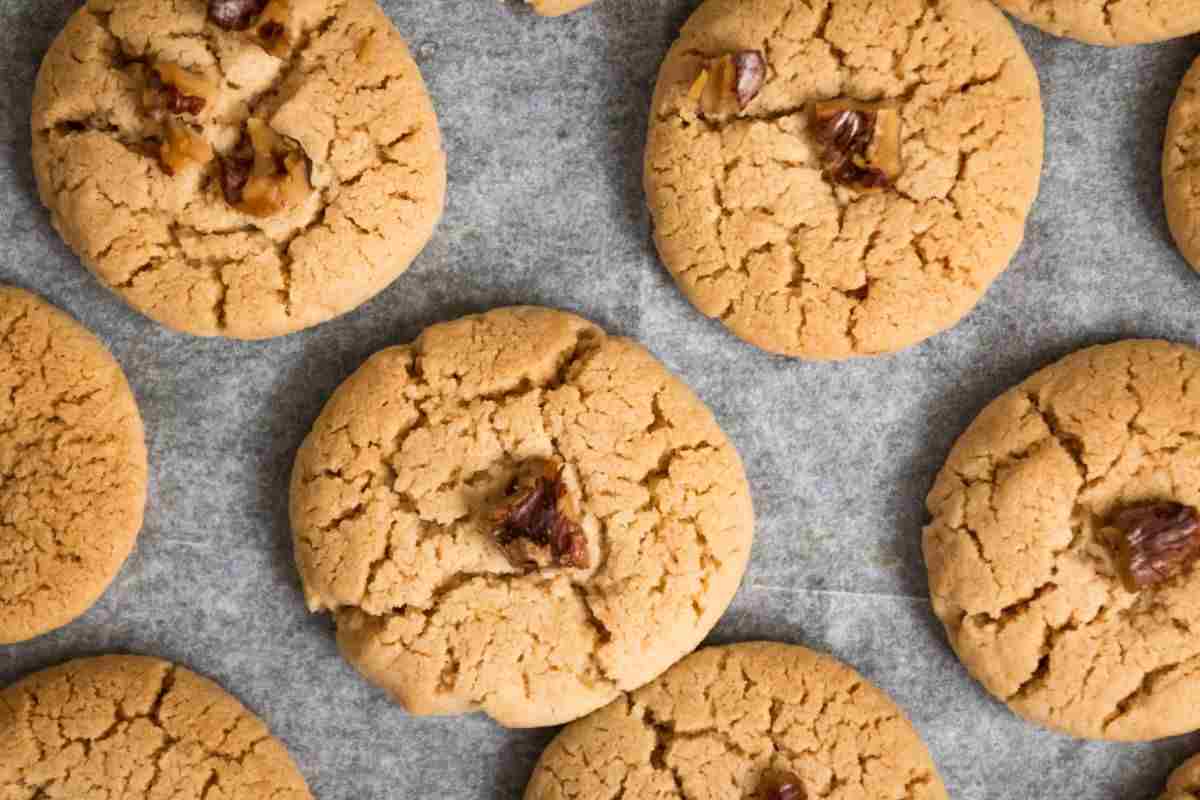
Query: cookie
{"x": 830, "y": 181}
{"x": 1062, "y": 540}
{"x": 1184, "y": 783}
{"x": 1181, "y": 167}
{"x": 555, "y": 8}
{"x": 131, "y": 727}
{"x": 738, "y": 722}
{"x": 73, "y": 457}
{"x": 518, "y": 514}
{"x": 1109, "y": 22}
{"x": 235, "y": 174}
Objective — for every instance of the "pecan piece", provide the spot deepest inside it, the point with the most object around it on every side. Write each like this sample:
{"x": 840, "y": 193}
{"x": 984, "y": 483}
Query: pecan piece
{"x": 182, "y": 147}
{"x": 171, "y": 88}
{"x": 860, "y": 142}
{"x": 536, "y": 528}
{"x": 729, "y": 83}
{"x": 1155, "y": 541}
{"x": 265, "y": 174}
{"x": 234, "y": 15}
{"x": 784, "y": 786}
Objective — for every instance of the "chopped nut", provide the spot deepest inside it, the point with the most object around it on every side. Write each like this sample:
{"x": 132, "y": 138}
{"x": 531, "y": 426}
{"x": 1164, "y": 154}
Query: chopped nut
{"x": 273, "y": 28}
{"x": 536, "y": 528}
{"x": 173, "y": 89}
{"x": 182, "y": 147}
{"x": 1155, "y": 541}
{"x": 785, "y": 786}
{"x": 234, "y": 15}
{"x": 729, "y": 83}
{"x": 860, "y": 141}
{"x": 264, "y": 175}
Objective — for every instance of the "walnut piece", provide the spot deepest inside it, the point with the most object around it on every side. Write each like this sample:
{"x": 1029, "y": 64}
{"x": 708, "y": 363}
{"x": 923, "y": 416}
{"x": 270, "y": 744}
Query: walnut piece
{"x": 182, "y": 148}
{"x": 729, "y": 83}
{"x": 536, "y": 525}
{"x": 860, "y": 142}
{"x": 269, "y": 19}
{"x": 172, "y": 89}
{"x": 784, "y": 786}
{"x": 1154, "y": 541}
{"x": 265, "y": 174}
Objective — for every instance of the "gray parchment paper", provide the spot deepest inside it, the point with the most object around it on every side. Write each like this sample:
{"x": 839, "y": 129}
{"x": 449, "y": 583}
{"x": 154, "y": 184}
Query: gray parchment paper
{"x": 544, "y": 125}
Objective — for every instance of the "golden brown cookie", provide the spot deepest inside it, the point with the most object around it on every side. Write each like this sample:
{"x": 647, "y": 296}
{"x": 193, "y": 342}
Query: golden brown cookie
{"x": 1058, "y": 562}
{"x": 1181, "y": 167}
{"x": 857, "y": 228}
{"x": 238, "y": 182}
{"x": 735, "y": 722}
{"x": 554, "y": 8}
{"x": 73, "y": 458}
{"x": 1109, "y": 22}
{"x": 1184, "y": 783}
{"x": 129, "y": 727}
{"x": 428, "y": 502}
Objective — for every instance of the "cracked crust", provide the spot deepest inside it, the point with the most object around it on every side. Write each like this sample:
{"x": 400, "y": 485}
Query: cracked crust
{"x": 1019, "y": 571}
{"x": 393, "y": 490}
{"x": 73, "y": 462}
{"x": 1109, "y": 22}
{"x": 348, "y": 93}
{"x": 724, "y": 717}
{"x": 555, "y": 8}
{"x": 1184, "y": 783}
{"x": 125, "y": 727}
{"x": 1181, "y": 167}
{"x": 757, "y": 236}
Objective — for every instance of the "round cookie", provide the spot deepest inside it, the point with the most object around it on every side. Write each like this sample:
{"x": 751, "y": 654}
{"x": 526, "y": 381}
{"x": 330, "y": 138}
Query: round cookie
{"x": 763, "y": 231}
{"x": 73, "y": 457}
{"x": 1181, "y": 173}
{"x": 733, "y": 722}
{"x": 133, "y": 727}
{"x": 1109, "y": 22}
{"x": 1184, "y": 783}
{"x": 241, "y": 183}
{"x": 1028, "y": 565}
{"x": 398, "y": 494}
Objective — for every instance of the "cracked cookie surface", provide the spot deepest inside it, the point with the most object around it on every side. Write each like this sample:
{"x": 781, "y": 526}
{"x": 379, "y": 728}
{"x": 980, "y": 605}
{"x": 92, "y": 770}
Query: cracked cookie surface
{"x": 1109, "y": 22}
{"x": 757, "y": 235}
{"x": 724, "y": 719}
{"x": 1181, "y": 167}
{"x": 1184, "y": 783}
{"x": 393, "y": 498}
{"x": 126, "y": 727}
{"x": 1021, "y": 570}
{"x": 73, "y": 457}
{"x": 344, "y": 91}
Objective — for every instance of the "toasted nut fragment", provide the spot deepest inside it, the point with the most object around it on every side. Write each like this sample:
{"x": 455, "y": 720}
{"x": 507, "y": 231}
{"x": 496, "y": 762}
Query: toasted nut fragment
{"x": 729, "y": 83}
{"x": 182, "y": 148}
{"x": 234, "y": 15}
{"x": 264, "y": 175}
{"x": 860, "y": 142}
{"x": 175, "y": 90}
{"x": 536, "y": 526}
{"x": 273, "y": 28}
{"x": 784, "y": 786}
{"x": 1155, "y": 541}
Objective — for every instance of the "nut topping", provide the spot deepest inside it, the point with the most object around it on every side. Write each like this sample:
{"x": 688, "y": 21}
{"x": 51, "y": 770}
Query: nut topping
{"x": 729, "y": 83}
{"x": 234, "y": 15}
{"x": 536, "y": 526}
{"x": 265, "y": 174}
{"x": 785, "y": 786}
{"x": 171, "y": 88}
{"x": 182, "y": 148}
{"x": 1155, "y": 541}
{"x": 860, "y": 143}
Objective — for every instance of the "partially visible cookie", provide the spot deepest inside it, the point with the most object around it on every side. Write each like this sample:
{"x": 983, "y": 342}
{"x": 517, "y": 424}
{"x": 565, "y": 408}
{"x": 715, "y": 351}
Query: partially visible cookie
{"x": 1063, "y": 543}
{"x": 129, "y": 727}
{"x": 239, "y": 168}
{"x": 1109, "y": 22}
{"x": 73, "y": 466}
{"x": 832, "y": 180}
{"x": 1181, "y": 167}
{"x": 1184, "y": 783}
{"x": 518, "y": 514}
{"x": 554, "y": 8}
{"x": 743, "y": 721}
